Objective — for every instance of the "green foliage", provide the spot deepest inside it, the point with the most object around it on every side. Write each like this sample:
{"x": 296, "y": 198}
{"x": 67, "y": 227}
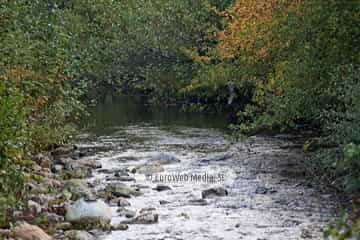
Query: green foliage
{"x": 343, "y": 229}
{"x": 321, "y": 85}
{"x": 12, "y": 141}
{"x": 281, "y": 65}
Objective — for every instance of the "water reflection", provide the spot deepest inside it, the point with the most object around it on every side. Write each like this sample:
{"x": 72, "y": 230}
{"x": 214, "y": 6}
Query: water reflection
{"x": 126, "y": 110}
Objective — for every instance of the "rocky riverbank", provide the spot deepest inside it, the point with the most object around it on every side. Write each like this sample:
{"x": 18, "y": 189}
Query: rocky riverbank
{"x": 60, "y": 204}
{"x": 183, "y": 183}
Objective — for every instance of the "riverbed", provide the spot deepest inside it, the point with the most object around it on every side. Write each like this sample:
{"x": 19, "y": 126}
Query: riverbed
{"x": 267, "y": 194}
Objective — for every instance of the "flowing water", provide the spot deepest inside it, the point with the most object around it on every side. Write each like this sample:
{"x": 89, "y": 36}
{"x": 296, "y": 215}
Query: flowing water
{"x": 268, "y": 198}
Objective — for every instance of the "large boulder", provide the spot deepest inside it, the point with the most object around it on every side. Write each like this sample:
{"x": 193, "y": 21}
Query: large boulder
{"x": 164, "y": 158}
{"x": 89, "y": 214}
{"x": 25, "y": 231}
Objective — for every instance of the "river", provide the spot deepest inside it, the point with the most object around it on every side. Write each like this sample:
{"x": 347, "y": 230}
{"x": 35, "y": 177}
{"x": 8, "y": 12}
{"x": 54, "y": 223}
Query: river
{"x": 268, "y": 197}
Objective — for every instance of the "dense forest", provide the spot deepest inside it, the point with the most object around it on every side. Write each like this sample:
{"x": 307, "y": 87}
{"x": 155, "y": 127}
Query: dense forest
{"x": 274, "y": 66}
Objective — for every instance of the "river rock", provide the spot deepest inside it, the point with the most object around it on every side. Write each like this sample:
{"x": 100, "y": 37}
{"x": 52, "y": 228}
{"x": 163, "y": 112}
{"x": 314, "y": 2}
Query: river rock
{"x": 126, "y": 212}
{"x": 126, "y": 179}
{"x": 132, "y": 169}
{"x": 63, "y": 150}
{"x": 214, "y": 192}
{"x": 77, "y": 188}
{"x": 120, "y": 202}
{"x": 25, "y": 231}
{"x": 57, "y": 168}
{"x": 122, "y": 190}
{"x": 64, "y": 226}
{"x": 264, "y": 190}
{"x": 89, "y": 163}
{"x": 217, "y": 158}
{"x": 87, "y": 214}
{"x": 121, "y": 173}
{"x": 149, "y": 169}
{"x": 34, "y": 207}
{"x": 78, "y": 235}
{"x": 43, "y": 160}
{"x": 141, "y": 186}
{"x": 184, "y": 215}
{"x": 164, "y": 158}
{"x": 120, "y": 227}
{"x": 198, "y": 202}
{"x": 163, "y": 202}
{"x": 144, "y": 218}
{"x": 53, "y": 217}
{"x": 77, "y": 172}
{"x": 162, "y": 187}
{"x": 146, "y": 210}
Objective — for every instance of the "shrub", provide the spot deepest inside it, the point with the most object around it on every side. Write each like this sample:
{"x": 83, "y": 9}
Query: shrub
{"x": 13, "y": 139}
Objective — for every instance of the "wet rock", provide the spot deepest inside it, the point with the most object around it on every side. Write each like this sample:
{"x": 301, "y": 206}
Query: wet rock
{"x": 89, "y": 163}
{"x": 50, "y": 202}
{"x": 63, "y": 150}
{"x": 162, "y": 187}
{"x": 184, "y": 215}
{"x": 120, "y": 227}
{"x": 57, "y": 168}
{"x": 306, "y": 234}
{"x": 198, "y": 202}
{"x": 78, "y": 235}
{"x": 126, "y": 212}
{"x": 53, "y": 218}
{"x": 164, "y": 202}
{"x": 78, "y": 168}
{"x": 164, "y": 158}
{"x": 89, "y": 214}
{"x": 64, "y": 226}
{"x": 34, "y": 207}
{"x": 291, "y": 223}
{"x": 77, "y": 172}
{"x": 122, "y": 190}
{"x": 126, "y": 179}
{"x": 40, "y": 188}
{"x": 121, "y": 202}
{"x": 77, "y": 188}
{"x": 146, "y": 210}
{"x": 51, "y": 182}
{"x": 140, "y": 186}
{"x": 106, "y": 171}
{"x": 132, "y": 169}
{"x": 25, "y": 231}
{"x": 144, "y": 218}
{"x": 149, "y": 169}
{"x": 121, "y": 173}
{"x": 264, "y": 190}
{"x": 36, "y": 167}
{"x": 214, "y": 192}
{"x": 43, "y": 160}
{"x": 217, "y": 158}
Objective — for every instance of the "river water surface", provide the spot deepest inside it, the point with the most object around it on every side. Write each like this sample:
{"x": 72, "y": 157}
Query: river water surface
{"x": 268, "y": 197}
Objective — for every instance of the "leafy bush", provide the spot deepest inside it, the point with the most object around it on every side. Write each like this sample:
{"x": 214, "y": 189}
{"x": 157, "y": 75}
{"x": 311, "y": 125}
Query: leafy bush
{"x": 343, "y": 229}
{"x": 13, "y": 139}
